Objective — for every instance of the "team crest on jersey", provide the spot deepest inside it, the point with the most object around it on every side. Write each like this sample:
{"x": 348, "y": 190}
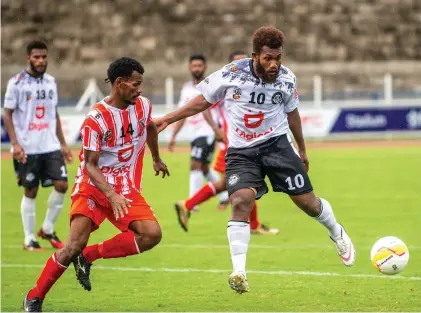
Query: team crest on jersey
{"x": 206, "y": 80}
{"x": 91, "y": 204}
{"x": 51, "y": 94}
{"x": 234, "y": 68}
{"x": 233, "y": 180}
{"x": 277, "y": 98}
{"x": 28, "y": 95}
{"x": 30, "y": 177}
{"x": 108, "y": 135}
{"x": 236, "y": 94}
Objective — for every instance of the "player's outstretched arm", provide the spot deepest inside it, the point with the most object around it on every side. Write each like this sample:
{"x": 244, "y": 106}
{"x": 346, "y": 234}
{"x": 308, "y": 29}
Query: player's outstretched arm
{"x": 194, "y": 106}
{"x": 177, "y": 129}
{"x": 67, "y": 153}
{"x": 118, "y": 203}
{"x": 152, "y": 141}
{"x": 294, "y": 121}
{"x": 18, "y": 152}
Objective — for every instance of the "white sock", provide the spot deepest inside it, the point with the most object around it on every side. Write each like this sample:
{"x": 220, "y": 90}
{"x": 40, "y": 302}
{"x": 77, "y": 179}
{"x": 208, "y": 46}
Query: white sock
{"x": 223, "y": 196}
{"x": 27, "y": 209}
{"x": 196, "y": 182}
{"x": 213, "y": 176}
{"x": 55, "y": 204}
{"x": 327, "y": 219}
{"x": 239, "y": 237}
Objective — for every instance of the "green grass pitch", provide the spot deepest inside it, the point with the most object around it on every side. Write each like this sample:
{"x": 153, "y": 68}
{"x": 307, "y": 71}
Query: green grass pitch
{"x": 374, "y": 192}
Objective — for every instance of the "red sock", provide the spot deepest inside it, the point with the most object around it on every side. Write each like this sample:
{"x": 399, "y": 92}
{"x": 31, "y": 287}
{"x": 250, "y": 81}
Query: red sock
{"x": 254, "y": 222}
{"x": 119, "y": 246}
{"x": 51, "y": 272}
{"x": 207, "y": 192}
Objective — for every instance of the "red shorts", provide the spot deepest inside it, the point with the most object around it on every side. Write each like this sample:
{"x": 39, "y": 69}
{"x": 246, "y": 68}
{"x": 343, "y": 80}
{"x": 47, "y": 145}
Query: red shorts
{"x": 90, "y": 202}
{"x": 220, "y": 164}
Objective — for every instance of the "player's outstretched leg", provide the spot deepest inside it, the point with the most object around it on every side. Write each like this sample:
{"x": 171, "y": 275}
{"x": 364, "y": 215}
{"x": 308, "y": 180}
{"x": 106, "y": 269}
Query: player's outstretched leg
{"x": 142, "y": 236}
{"x": 238, "y": 233}
{"x": 57, "y": 264}
{"x": 321, "y": 210}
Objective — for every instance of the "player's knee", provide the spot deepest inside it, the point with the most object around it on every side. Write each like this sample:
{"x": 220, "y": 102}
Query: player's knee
{"x": 220, "y": 186}
{"x": 205, "y": 168}
{"x": 195, "y": 165}
{"x": 31, "y": 192}
{"x": 310, "y": 205}
{"x": 149, "y": 239}
{"x": 73, "y": 248}
{"x": 241, "y": 204}
{"x": 61, "y": 186}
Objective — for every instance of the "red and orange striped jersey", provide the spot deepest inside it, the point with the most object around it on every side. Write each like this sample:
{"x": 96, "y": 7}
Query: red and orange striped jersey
{"x": 120, "y": 137}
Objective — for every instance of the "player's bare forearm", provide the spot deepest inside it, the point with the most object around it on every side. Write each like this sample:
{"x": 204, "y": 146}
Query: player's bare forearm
{"x": 294, "y": 121}
{"x": 59, "y": 130}
{"x": 152, "y": 140}
{"x": 95, "y": 174}
{"x": 10, "y": 128}
{"x": 208, "y": 117}
{"x": 194, "y": 106}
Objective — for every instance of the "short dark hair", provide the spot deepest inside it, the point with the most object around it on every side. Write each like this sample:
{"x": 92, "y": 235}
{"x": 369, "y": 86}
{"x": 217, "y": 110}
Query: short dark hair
{"x": 36, "y": 44}
{"x": 123, "y": 67}
{"x": 234, "y": 53}
{"x": 267, "y": 36}
{"x": 200, "y": 57}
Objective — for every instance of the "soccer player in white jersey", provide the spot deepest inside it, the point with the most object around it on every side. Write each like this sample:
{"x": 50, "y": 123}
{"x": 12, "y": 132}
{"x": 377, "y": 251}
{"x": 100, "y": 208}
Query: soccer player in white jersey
{"x": 38, "y": 145}
{"x": 202, "y": 136}
{"x": 109, "y": 182}
{"x": 261, "y": 103}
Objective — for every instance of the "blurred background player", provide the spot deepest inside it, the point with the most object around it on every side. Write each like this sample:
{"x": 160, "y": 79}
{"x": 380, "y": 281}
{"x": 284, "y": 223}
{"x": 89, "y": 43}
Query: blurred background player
{"x": 208, "y": 191}
{"x": 38, "y": 145}
{"x": 202, "y": 136}
{"x": 108, "y": 183}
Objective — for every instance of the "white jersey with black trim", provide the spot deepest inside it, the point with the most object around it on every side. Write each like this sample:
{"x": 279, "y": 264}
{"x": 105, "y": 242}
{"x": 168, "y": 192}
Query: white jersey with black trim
{"x": 34, "y": 101}
{"x": 255, "y": 110}
{"x": 198, "y": 127}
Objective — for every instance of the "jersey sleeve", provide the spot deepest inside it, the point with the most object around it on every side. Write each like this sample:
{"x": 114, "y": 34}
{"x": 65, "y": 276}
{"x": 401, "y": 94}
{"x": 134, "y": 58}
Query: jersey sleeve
{"x": 11, "y": 96}
{"x": 293, "y": 100}
{"x": 91, "y": 134}
{"x": 213, "y": 87}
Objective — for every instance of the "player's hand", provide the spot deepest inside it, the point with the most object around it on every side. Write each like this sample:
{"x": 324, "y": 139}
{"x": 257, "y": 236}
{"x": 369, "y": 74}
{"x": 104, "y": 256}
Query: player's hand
{"x": 18, "y": 153}
{"x": 67, "y": 154}
{"x": 160, "y": 124}
{"x": 171, "y": 145}
{"x": 160, "y": 166}
{"x": 119, "y": 204}
{"x": 304, "y": 158}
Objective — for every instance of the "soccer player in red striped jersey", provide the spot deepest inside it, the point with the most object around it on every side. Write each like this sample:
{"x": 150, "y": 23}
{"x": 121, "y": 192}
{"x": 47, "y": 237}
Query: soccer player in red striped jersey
{"x": 108, "y": 182}
{"x": 183, "y": 208}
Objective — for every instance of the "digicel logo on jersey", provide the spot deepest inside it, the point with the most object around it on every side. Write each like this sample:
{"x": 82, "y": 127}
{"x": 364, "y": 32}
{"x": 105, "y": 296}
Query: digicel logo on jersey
{"x": 115, "y": 171}
{"x": 38, "y": 126}
{"x": 251, "y": 136}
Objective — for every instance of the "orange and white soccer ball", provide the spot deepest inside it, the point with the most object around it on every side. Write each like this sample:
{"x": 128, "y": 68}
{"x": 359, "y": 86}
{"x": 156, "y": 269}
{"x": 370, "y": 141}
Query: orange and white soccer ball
{"x": 389, "y": 255}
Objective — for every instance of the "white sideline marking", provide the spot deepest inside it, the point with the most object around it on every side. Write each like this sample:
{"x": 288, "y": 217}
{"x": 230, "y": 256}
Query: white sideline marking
{"x": 226, "y": 246}
{"x": 198, "y": 270}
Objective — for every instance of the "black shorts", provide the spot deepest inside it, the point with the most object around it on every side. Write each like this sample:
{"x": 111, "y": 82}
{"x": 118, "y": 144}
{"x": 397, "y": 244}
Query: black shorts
{"x": 202, "y": 149}
{"x": 275, "y": 158}
{"x": 45, "y": 167}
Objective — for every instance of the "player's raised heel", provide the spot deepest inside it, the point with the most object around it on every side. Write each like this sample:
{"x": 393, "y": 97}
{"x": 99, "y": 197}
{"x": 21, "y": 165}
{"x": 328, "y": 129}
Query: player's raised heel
{"x": 33, "y": 305}
{"x": 83, "y": 269}
{"x": 183, "y": 214}
{"x": 345, "y": 248}
{"x": 238, "y": 282}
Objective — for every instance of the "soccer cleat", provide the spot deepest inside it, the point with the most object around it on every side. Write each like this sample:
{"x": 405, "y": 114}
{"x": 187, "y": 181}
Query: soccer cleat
{"x": 83, "y": 269}
{"x": 33, "y": 305}
{"x": 52, "y": 238}
{"x": 238, "y": 282}
{"x": 345, "y": 247}
{"x": 223, "y": 205}
{"x": 183, "y": 214}
{"x": 264, "y": 230}
{"x": 33, "y": 246}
